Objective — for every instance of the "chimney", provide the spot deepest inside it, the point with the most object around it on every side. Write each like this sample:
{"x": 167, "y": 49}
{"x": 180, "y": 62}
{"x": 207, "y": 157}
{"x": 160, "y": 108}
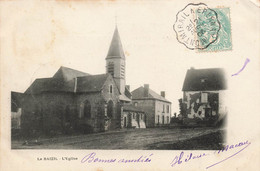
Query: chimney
{"x": 163, "y": 94}
{"x": 146, "y": 90}
{"x": 128, "y": 87}
{"x": 192, "y": 68}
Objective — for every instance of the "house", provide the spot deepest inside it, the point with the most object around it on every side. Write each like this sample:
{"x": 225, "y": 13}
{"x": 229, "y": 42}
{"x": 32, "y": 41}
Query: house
{"x": 72, "y": 100}
{"x": 204, "y": 94}
{"x": 157, "y": 108}
{"x": 133, "y": 117}
{"x": 16, "y": 109}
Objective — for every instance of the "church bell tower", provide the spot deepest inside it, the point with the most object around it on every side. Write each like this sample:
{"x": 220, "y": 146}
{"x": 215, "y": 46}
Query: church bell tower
{"x": 115, "y": 61}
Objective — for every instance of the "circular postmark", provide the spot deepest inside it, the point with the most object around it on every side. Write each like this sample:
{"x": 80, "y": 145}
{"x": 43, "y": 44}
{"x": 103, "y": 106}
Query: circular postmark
{"x": 196, "y": 26}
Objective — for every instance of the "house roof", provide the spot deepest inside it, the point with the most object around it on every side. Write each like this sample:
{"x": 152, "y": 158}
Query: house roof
{"x": 131, "y": 107}
{"x": 204, "y": 79}
{"x": 123, "y": 97}
{"x": 91, "y": 83}
{"x": 68, "y": 74}
{"x": 116, "y": 48}
{"x": 128, "y": 93}
{"x": 139, "y": 94}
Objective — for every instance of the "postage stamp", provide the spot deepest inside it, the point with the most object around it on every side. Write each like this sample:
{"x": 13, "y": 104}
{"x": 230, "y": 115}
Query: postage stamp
{"x": 224, "y": 40}
{"x": 207, "y": 30}
{"x": 197, "y": 26}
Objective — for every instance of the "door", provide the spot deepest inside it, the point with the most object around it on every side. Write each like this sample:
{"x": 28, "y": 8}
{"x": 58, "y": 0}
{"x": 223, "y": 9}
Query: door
{"x": 207, "y": 112}
{"x": 124, "y": 122}
{"x": 162, "y": 119}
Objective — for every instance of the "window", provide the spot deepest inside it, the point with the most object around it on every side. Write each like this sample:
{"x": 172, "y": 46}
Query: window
{"x": 135, "y": 103}
{"x": 163, "y": 108}
{"x": 168, "y": 109}
{"x": 167, "y": 119}
{"x": 204, "y": 97}
{"x": 133, "y": 115}
{"x": 122, "y": 71}
{"x": 141, "y": 116}
{"x": 162, "y": 119}
{"x": 105, "y": 109}
{"x": 158, "y": 119}
{"x": 110, "y": 109}
{"x": 110, "y": 68}
{"x": 111, "y": 89}
{"x": 203, "y": 80}
{"x": 87, "y": 109}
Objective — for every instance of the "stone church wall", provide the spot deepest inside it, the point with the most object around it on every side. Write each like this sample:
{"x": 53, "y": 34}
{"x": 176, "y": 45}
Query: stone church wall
{"x": 45, "y": 113}
{"x": 96, "y": 119}
{"x": 99, "y": 101}
{"x": 54, "y": 113}
{"x": 115, "y": 121}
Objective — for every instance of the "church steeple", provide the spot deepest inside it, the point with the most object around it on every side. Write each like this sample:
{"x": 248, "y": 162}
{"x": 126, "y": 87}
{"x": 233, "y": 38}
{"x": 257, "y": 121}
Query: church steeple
{"x": 115, "y": 61}
{"x": 116, "y": 48}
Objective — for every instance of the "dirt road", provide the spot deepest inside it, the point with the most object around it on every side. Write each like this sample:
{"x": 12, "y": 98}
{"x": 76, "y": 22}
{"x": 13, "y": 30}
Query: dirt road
{"x": 140, "y": 139}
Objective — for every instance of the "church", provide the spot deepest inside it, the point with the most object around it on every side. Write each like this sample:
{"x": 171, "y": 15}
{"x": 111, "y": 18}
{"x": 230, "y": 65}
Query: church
{"x": 74, "y": 101}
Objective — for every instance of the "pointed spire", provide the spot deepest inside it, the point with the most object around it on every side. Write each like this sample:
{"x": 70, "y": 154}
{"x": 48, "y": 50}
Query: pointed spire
{"x": 116, "y": 49}
{"x": 116, "y": 20}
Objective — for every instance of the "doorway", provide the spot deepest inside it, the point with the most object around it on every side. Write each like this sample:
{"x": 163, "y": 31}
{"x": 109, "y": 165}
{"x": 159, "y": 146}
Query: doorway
{"x": 162, "y": 119}
{"x": 124, "y": 122}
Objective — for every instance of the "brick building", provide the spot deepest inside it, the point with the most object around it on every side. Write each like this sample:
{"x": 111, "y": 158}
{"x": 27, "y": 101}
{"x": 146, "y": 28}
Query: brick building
{"x": 156, "y": 107}
{"x": 204, "y": 94}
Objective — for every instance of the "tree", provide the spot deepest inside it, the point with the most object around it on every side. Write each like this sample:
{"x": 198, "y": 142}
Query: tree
{"x": 183, "y": 108}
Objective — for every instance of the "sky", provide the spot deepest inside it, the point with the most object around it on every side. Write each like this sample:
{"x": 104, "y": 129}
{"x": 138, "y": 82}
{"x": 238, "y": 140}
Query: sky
{"x": 42, "y": 36}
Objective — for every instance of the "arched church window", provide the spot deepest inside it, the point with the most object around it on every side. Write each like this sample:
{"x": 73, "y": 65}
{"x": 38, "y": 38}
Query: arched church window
{"x": 110, "y": 109}
{"x": 87, "y": 109}
{"x": 111, "y": 89}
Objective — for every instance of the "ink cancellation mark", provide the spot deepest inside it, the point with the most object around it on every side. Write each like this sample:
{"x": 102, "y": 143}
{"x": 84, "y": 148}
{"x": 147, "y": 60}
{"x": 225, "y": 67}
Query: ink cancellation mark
{"x": 197, "y": 26}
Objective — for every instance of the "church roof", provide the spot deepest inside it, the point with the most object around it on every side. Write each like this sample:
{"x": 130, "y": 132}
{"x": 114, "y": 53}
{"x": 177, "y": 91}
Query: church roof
{"x": 116, "y": 48}
{"x": 68, "y": 74}
{"x": 64, "y": 81}
{"x": 139, "y": 94}
{"x": 204, "y": 79}
{"x": 50, "y": 85}
{"x": 91, "y": 83}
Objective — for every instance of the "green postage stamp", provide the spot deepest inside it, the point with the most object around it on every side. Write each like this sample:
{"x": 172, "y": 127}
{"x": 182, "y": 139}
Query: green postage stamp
{"x": 224, "y": 40}
{"x": 202, "y": 28}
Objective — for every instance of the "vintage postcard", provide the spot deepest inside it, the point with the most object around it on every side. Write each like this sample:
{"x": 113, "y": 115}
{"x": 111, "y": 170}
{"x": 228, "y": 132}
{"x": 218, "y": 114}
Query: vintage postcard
{"x": 130, "y": 85}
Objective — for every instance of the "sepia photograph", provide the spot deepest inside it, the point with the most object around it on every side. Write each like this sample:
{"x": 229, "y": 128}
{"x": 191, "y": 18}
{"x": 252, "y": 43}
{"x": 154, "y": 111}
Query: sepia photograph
{"x": 129, "y": 85}
{"x": 74, "y": 109}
